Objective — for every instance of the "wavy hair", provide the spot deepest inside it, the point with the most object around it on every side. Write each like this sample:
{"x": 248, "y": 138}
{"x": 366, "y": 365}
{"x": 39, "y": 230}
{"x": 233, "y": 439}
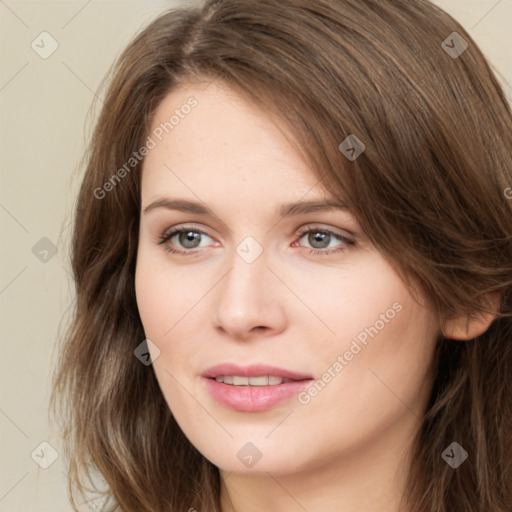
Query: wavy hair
{"x": 431, "y": 189}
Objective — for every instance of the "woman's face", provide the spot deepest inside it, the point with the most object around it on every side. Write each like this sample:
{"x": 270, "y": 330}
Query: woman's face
{"x": 304, "y": 292}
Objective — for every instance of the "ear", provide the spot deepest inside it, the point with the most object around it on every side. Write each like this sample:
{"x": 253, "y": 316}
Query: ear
{"x": 469, "y": 327}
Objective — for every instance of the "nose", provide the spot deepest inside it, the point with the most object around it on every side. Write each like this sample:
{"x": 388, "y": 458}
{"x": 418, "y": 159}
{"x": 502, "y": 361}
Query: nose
{"x": 250, "y": 300}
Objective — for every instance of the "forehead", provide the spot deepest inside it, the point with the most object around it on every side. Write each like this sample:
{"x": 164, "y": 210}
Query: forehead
{"x": 210, "y": 136}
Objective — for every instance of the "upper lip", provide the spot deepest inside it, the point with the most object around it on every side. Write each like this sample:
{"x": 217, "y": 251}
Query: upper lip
{"x": 254, "y": 370}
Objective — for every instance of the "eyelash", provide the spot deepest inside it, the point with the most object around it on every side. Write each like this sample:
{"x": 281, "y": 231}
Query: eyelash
{"x": 312, "y": 252}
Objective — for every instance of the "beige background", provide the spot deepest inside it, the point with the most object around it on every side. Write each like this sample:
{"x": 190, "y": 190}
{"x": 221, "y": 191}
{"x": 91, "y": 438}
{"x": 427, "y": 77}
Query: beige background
{"x": 43, "y": 112}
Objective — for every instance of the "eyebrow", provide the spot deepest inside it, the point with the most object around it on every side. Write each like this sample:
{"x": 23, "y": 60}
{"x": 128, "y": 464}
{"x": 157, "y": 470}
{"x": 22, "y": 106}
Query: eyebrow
{"x": 285, "y": 210}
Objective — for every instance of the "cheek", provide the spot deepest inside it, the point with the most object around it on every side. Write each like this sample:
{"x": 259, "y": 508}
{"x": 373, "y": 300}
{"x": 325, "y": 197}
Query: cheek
{"x": 382, "y": 351}
{"x": 390, "y": 370}
{"x": 163, "y": 312}
{"x": 164, "y": 295}
{"x": 152, "y": 300}
{"x": 355, "y": 301}
{"x": 172, "y": 304}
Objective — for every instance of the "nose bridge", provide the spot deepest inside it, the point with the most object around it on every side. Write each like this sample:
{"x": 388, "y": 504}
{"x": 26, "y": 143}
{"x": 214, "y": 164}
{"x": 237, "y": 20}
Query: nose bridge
{"x": 248, "y": 269}
{"x": 246, "y": 296}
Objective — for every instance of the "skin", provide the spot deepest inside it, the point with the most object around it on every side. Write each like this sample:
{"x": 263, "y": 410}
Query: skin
{"x": 348, "y": 447}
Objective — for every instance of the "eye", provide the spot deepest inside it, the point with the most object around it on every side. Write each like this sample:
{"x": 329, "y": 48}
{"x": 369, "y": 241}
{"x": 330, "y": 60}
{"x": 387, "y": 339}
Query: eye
{"x": 320, "y": 240}
{"x": 188, "y": 238}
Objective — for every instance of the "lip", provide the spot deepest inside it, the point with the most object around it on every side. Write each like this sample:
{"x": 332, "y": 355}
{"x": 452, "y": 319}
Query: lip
{"x": 254, "y": 370}
{"x": 253, "y": 398}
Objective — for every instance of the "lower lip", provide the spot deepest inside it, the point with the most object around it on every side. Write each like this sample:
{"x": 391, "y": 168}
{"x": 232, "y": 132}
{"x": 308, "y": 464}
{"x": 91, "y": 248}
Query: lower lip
{"x": 253, "y": 398}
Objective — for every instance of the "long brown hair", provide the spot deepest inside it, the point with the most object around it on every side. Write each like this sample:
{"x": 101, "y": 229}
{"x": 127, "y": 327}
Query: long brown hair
{"x": 429, "y": 189}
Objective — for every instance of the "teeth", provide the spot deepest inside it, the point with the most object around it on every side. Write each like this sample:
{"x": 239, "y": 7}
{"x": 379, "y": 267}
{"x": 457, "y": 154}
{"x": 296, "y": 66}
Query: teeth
{"x": 258, "y": 381}
{"x": 236, "y": 380}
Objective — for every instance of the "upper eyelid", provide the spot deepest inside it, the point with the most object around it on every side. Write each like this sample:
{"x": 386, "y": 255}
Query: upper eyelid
{"x": 170, "y": 233}
{"x": 306, "y": 227}
{"x": 313, "y": 227}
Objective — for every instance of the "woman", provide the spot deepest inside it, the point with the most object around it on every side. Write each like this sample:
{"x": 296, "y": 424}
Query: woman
{"x": 293, "y": 260}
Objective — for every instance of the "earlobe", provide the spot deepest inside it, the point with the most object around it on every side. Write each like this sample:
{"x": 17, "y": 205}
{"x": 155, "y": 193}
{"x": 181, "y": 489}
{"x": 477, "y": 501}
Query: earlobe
{"x": 469, "y": 327}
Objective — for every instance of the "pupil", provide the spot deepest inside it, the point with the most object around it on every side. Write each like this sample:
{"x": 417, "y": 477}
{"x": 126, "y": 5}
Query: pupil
{"x": 190, "y": 236}
{"x": 319, "y": 237}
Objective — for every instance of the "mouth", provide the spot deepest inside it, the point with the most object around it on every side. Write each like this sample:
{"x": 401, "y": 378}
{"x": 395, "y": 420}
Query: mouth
{"x": 253, "y": 388}
{"x": 265, "y": 380}
{"x": 234, "y": 374}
